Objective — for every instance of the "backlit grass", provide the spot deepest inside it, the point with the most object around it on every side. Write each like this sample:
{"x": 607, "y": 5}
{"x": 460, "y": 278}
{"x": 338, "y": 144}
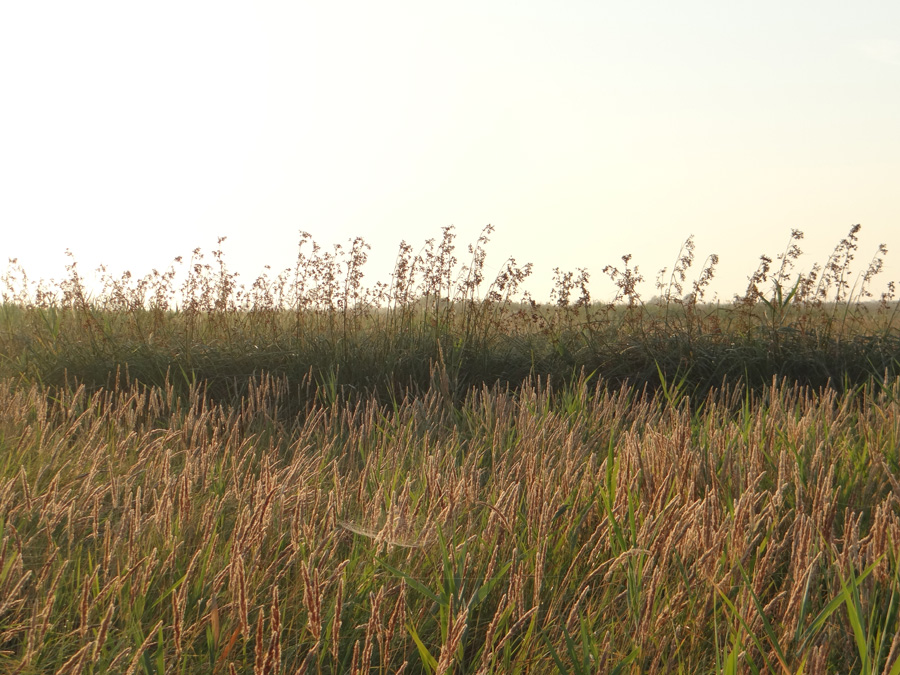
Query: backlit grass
{"x": 438, "y": 475}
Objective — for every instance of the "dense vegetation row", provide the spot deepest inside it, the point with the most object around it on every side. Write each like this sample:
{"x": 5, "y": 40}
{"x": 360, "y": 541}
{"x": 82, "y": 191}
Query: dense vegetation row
{"x": 319, "y": 323}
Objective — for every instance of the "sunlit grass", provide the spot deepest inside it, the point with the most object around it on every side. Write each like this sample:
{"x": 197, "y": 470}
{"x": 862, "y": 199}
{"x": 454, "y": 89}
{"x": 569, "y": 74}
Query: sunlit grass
{"x": 509, "y": 533}
{"x": 439, "y": 475}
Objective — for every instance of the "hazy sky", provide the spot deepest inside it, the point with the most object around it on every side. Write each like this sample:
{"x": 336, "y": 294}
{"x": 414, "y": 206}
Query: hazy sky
{"x": 134, "y": 132}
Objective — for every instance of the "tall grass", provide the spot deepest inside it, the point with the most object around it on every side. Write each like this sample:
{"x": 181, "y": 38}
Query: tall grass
{"x": 579, "y": 529}
{"x": 440, "y": 475}
{"x": 319, "y": 320}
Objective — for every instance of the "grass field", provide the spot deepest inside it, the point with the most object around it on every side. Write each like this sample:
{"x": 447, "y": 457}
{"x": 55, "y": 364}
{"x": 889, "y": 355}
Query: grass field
{"x": 439, "y": 475}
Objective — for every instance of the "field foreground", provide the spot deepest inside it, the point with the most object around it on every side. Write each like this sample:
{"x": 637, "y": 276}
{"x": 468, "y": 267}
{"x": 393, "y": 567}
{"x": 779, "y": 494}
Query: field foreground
{"x": 584, "y": 529}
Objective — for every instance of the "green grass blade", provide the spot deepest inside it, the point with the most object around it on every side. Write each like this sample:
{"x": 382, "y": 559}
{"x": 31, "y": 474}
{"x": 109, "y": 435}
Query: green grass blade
{"x": 485, "y": 589}
{"x": 627, "y": 661}
{"x": 555, "y": 656}
{"x": 428, "y": 660}
{"x": 413, "y": 583}
{"x": 756, "y": 640}
{"x": 767, "y": 626}
{"x": 830, "y": 608}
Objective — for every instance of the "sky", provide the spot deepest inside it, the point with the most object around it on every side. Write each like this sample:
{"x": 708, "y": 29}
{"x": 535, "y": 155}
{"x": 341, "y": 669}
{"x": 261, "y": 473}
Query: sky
{"x": 131, "y": 133}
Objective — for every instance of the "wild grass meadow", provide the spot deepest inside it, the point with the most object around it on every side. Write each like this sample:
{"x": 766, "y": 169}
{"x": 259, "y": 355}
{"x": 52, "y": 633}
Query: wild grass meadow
{"x": 436, "y": 473}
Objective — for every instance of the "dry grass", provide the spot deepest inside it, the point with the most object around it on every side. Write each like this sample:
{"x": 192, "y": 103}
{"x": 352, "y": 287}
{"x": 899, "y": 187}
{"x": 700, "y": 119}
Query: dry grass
{"x": 516, "y": 532}
{"x": 317, "y": 321}
{"x": 312, "y": 476}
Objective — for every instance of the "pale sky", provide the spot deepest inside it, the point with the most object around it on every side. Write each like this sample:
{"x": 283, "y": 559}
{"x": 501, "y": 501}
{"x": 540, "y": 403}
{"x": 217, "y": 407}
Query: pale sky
{"x": 133, "y": 132}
